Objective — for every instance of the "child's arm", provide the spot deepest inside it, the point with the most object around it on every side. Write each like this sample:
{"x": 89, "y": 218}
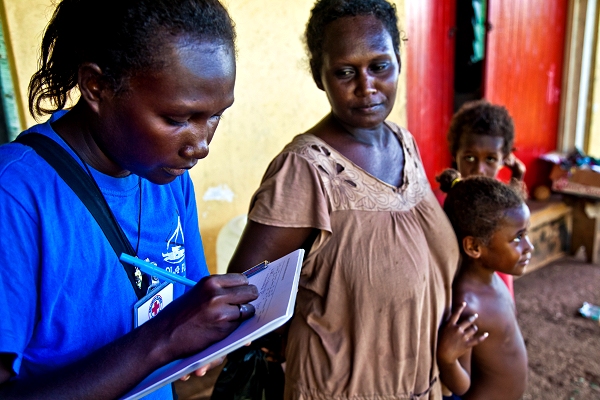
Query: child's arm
{"x": 455, "y": 342}
{"x": 516, "y": 166}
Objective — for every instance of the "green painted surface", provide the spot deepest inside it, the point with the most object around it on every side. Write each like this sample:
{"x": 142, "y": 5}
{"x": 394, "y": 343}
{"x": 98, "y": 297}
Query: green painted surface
{"x": 8, "y": 92}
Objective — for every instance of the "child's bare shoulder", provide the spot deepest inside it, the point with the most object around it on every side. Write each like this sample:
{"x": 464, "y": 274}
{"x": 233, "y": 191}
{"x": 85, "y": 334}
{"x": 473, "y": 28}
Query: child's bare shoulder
{"x": 492, "y": 303}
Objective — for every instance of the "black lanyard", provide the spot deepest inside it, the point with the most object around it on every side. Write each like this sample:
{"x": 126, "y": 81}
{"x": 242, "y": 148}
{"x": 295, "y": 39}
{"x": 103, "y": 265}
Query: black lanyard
{"x": 91, "y": 196}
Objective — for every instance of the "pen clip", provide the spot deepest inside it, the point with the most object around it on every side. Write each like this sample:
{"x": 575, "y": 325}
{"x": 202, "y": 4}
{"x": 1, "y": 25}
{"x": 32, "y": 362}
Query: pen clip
{"x": 256, "y": 269}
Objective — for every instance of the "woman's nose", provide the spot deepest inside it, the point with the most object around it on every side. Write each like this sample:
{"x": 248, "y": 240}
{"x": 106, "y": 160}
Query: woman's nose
{"x": 366, "y": 85}
{"x": 196, "y": 142}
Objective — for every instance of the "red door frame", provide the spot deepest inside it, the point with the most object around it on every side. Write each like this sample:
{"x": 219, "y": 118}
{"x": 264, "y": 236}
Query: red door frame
{"x": 430, "y": 79}
{"x": 524, "y": 65}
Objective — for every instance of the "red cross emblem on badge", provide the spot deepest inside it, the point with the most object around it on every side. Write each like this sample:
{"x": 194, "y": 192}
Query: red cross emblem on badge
{"x": 155, "y": 306}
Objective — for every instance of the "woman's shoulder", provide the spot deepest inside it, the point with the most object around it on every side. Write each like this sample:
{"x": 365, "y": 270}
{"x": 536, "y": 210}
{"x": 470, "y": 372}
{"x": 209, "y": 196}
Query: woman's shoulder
{"x": 305, "y": 148}
{"x": 304, "y": 143}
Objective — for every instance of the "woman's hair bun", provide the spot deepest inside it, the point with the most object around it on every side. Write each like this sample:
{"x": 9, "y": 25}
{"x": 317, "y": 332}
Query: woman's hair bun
{"x": 447, "y": 179}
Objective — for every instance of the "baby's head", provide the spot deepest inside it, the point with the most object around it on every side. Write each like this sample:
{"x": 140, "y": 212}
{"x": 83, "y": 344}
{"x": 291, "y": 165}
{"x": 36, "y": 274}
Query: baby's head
{"x": 480, "y": 137}
{"x": 490, "y": 219}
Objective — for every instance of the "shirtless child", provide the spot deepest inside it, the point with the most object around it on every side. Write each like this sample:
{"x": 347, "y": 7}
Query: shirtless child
{"x": 490, "y": 220}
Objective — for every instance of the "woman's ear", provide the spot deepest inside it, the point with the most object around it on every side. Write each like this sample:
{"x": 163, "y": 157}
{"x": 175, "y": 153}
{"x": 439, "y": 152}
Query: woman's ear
{"x": 91, "y": 85}
{"x": 472, "y": 246}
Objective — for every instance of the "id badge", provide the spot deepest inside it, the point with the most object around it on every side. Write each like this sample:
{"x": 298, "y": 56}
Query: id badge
{"x": 149, "y": 306}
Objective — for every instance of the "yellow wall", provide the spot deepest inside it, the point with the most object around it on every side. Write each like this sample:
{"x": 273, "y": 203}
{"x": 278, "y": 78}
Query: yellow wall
{"x": 275, "y": 99}
{"x": 594, "y": 134}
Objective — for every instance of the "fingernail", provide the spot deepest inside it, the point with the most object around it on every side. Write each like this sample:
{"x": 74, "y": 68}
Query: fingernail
{"x": 486, "y": 334}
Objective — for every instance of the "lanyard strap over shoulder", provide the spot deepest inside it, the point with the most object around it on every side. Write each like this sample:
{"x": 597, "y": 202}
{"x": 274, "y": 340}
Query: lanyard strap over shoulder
{"x": 85, "y": 188}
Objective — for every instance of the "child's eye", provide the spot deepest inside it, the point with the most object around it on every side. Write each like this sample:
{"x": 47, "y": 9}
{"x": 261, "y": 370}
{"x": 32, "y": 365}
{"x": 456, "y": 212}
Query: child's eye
{"x": 469, "y": 159}
{"x": 520, "y": 236}
{"x": 492, "y": 160}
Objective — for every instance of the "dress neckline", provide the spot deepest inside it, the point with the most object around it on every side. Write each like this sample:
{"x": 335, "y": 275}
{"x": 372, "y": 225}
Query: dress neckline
{"x": 398, "y": 133}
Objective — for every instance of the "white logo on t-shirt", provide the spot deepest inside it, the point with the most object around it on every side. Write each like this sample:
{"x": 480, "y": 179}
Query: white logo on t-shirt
{"x": 175, "y": 246}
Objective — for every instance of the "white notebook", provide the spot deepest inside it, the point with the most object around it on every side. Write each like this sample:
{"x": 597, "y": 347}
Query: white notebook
{"x": 277, "y": 286}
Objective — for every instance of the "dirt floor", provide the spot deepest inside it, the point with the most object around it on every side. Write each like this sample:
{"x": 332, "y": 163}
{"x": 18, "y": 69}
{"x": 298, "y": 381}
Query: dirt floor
{"x": 563, "y": 347}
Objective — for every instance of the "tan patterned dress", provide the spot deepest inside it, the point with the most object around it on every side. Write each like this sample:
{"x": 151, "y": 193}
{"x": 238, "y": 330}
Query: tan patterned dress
{"x": 377, "y": 280}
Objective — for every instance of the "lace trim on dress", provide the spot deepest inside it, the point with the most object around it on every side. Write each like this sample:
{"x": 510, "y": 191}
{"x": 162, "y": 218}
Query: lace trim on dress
{"x": 352, "y": 188}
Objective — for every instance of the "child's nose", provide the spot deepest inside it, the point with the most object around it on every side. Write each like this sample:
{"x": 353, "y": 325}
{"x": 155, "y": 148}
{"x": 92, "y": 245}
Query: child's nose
{"x": 528, "y": 245}
{"x": 481, "y": 168}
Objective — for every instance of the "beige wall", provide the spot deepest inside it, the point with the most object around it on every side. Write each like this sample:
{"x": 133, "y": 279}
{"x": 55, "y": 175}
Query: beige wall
{"x": 275, "y": 99}
{"x": 594, "y": 134}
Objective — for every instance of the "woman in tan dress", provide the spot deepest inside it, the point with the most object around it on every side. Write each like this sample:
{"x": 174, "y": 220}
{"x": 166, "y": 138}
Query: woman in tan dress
{"x": 352, "y": 191}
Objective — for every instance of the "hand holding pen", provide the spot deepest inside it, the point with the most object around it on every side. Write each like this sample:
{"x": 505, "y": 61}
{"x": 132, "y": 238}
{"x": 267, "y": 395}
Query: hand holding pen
{"x": 153, "y": 270}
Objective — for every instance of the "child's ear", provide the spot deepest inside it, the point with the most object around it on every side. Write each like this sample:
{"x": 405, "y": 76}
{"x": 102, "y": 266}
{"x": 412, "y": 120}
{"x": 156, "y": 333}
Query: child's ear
{"x": 472, "y": 246}
{"x": 91, "y": 84}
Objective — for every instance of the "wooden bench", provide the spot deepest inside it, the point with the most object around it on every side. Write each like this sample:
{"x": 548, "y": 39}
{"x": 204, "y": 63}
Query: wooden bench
{"x": 550, "y": 231}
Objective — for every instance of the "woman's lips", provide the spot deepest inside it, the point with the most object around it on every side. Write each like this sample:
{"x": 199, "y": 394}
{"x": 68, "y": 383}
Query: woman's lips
{"x": 368, "y": 109}
{"x": 175, "y": 171}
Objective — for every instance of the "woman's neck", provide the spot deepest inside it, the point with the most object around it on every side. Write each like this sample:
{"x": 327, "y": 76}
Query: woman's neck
{"x": 77, "y": 129}
{"x": 376, "y": 136}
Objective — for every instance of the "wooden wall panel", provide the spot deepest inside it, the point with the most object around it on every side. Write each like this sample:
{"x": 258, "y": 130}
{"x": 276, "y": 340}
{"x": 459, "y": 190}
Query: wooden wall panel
{"x": 523, "y": 72}
{"x": 430, "y": 72}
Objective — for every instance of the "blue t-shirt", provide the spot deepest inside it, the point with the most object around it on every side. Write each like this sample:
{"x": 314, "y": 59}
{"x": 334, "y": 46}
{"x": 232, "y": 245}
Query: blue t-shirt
{"x": 63, "y": 291}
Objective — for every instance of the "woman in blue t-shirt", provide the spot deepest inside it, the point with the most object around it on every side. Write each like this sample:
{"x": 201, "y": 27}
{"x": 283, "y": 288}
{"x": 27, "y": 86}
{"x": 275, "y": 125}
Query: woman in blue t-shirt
{"x": 154, "y": 78}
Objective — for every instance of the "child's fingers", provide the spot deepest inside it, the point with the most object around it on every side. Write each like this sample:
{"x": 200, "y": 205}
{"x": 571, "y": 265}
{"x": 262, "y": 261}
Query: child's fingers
{"x": 470, "y": 332}
{"x": 463, "y": 326}
{"x": 456, "y": 314}
{"x": 475, "y": 340}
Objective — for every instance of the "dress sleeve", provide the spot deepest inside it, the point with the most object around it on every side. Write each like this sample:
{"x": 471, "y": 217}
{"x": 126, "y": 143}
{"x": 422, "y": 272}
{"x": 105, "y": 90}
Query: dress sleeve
{"x": 291, "y": 195}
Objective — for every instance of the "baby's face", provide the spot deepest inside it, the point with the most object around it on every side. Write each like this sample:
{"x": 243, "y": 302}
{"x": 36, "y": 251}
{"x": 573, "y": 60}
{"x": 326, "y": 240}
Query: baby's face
{"x": 479, "y": 155}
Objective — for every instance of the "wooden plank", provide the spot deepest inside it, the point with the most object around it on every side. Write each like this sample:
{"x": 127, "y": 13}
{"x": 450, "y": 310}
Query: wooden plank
{"x": 551, "y": 227}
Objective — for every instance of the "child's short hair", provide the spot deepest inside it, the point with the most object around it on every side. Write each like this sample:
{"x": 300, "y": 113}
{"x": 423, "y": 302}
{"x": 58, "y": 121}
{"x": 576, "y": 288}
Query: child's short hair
{"x": 476, "y": 205}
{"x": 480, "y": 117}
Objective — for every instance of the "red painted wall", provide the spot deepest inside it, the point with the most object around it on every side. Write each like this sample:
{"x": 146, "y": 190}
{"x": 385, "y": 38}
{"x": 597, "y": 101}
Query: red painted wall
{"x": 429, "y": 68}
{"x": 523, "y": 72}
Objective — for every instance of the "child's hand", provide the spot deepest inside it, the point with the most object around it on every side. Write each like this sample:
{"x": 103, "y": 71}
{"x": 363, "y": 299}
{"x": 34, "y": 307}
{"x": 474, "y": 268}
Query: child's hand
{"x": 457, "y": 338}
{"x": 516, "y": 166}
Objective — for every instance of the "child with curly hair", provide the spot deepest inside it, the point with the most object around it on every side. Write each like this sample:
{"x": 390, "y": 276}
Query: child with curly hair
{"x": 490, "y": 219}
{"x": 481, "y": 139}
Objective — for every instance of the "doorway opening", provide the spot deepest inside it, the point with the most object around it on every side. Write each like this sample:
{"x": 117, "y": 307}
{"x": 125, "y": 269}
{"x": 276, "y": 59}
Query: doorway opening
{"x": 470, "y": 48}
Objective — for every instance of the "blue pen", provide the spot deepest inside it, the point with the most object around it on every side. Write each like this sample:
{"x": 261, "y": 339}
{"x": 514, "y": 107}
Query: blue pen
{"x": 256, "y": 269}
{"x": 153, "y": 270}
